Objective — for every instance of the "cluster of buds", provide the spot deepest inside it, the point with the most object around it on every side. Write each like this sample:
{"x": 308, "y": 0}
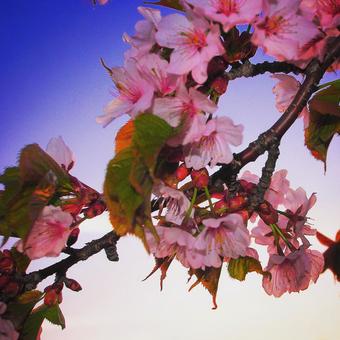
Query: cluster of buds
{"x": 9, "y": 287}
{"x": 53, "y": 294}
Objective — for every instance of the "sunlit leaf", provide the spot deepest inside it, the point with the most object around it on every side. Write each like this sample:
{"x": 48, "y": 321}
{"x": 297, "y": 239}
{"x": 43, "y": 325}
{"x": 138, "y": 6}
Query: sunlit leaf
{"x": 326, "y": 101}
{"x": 320, "y": 132}
{"x": 124, "y": 136}
{"x": 130, "y": 176}
{"x": 239, "y": 268}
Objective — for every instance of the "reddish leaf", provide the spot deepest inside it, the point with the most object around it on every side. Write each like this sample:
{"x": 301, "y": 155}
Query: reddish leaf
{"x": 209, "y": 279}
{"x": 324, "y": 239}
{"x": 163, "y": 264}
{"x": 124, "y": 136}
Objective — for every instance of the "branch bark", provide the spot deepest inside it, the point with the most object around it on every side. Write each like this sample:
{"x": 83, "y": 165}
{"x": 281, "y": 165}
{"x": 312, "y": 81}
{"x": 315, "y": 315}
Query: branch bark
{"x": 314, "y": 72}
{"x": 107, "y": 242}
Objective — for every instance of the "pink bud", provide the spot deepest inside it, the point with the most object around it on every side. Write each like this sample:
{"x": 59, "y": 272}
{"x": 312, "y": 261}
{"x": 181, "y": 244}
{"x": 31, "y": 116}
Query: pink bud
{"x": 200, "y": 178}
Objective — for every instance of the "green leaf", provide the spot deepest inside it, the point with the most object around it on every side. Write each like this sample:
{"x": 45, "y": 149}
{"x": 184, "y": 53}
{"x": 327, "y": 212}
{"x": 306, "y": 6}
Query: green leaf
{"x": 209, "y": 278}
{"x": 131, "y": 174}
{"x": 320, "y": 132}
{"x": 36, "y": 318}
{"x": 239, "y": 268}
{"x": 175, "y": 4}
{"x": 28, "y": 189}
{"x": 35, "y": 163}
{"x": 326, "y": 101}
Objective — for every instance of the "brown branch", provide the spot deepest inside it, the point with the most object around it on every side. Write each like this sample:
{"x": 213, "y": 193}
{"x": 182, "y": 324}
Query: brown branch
{"x": 251, "y": 70}
{"x": 107, "y": 242}
{"x": 314, "y": 72}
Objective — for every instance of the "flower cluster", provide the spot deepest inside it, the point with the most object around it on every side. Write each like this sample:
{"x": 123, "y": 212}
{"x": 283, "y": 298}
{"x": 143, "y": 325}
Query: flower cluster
{"x": 175, "y": 70}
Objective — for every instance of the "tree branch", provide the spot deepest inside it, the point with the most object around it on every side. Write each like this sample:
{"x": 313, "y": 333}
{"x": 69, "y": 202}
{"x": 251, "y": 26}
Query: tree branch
{"x": 107, "y": 242}
{"x": 251, "y": 70}
{"x": 314, "y": 72}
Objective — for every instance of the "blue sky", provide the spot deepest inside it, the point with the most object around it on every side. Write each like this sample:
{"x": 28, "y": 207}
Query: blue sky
{"x": 53, "y": 84}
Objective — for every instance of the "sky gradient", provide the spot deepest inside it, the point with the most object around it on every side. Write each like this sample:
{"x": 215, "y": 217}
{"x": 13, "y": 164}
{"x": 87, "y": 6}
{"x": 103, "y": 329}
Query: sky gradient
{"x": 53, "y": 84}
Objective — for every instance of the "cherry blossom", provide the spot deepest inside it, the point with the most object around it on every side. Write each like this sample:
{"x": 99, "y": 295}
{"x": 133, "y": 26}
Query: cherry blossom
{"x": 154, "y": 69}
{"x": 223, "y": 237}
{"x": 177, "y": 203}
{"x": 194, "y": 44}
{"x": 292, "y": 273}
{"x": 61, "y": 153}
{"x": 186, "y": 107}
{"x": 213, "y": 146}
{"x": 228, "y": 12}
{"x": 285, "y": 91}
{"x": 283, "y": 31}
{"x": 48, "y": 235}
{"x": 144, "y": 39}
{"x": 135, "y": 94}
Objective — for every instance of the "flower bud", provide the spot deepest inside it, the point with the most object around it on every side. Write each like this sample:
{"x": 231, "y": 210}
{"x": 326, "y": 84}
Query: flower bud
{"x": 73, "y": 285}
{"x": 7, "y": 265}
{"x": 51, "y": 298}
{"x": 247, "y": 186}
{"x": 4, "y": 279}
{"x": 237, "y": 203}
{"x": 182, "y": 172}
{"x": 95, "y": 209}
{"x": 72, "y": 239}
{"x": 217, "y": 65}
{"x": 267, "y": 213}
{"x": 11, "y": 289}
{"x": 200, "y": 178}
{"x": 221, "y": 207}
{"x": 219, "y": 85}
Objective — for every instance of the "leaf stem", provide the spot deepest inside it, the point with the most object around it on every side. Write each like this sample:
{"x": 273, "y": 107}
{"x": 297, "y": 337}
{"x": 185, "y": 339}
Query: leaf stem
{"x": 193, "y": 200}
{"x": 207, "y": 193}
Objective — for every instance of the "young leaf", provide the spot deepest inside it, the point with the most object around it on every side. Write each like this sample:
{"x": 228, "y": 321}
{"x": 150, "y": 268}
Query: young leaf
{"x": 175, "y": 4}
{"x": 124, "y": 136}
{"x": 239, "y": 268}
{"x": 320, "y": 132}
{"x": 209, "y": 278}
{"x": 130, "y": 175}
{"x": 34, "y": 321}
{"x": 326, "y": 101}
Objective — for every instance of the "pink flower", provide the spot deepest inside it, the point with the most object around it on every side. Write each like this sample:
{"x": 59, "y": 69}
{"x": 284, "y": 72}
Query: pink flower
{"x": 144, "y": 39}
{"x": 213, "y": 146}
{"x": 285, "y": 91}
{"x": 278, "y": 188}
{"x": 177, "y": 242}
{"x": 283, "y": 31}
{"x": 177, "y": 203}
{"x": 187, "y": 108}
{"x": 61, "y": 153}
{"x": 135, "y": 94}
{"x": 194, "y": 44}
{"x": 292, "y": 273}
{"x": 223, "y": 237}
{"x": 154, "y": 69}
{"x": 48, "y": 235}
{"x": 228, "y": 12}
{"x": 298, "y": 203}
